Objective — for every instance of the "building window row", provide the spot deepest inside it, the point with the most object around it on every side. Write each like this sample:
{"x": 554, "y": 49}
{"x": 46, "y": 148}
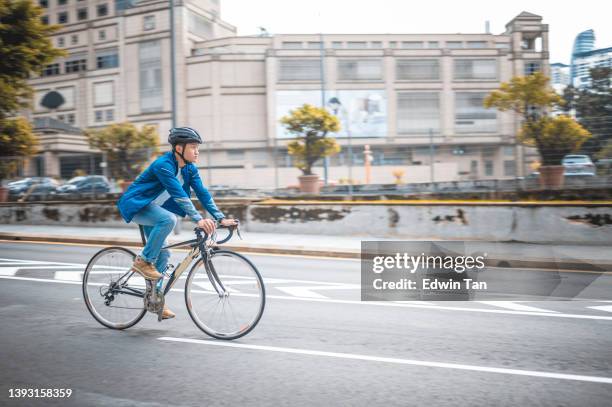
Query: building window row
{"x": 101, "y": 116}
{"x": 419, "y": 113}
{"x": 406, "y": 69}
{"x": 393, "y": 44}
{"x": 78, "y": 63}
{"x": 63, "y": 17}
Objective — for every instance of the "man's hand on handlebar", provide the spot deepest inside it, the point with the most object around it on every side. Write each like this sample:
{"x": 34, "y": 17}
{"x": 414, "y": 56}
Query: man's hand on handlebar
{"x": 208, "y": 225}
{"x": 228, "y": 222}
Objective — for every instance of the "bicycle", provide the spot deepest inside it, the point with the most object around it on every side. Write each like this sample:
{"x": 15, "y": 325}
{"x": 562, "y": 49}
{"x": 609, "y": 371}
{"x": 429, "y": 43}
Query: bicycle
{"x": 224, "y": 291}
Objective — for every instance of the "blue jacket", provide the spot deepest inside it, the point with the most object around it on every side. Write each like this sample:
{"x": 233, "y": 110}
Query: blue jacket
{"x": 160, "y": 176}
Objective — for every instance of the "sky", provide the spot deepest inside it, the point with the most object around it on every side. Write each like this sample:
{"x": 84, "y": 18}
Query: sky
{"x": 565, "y": 18}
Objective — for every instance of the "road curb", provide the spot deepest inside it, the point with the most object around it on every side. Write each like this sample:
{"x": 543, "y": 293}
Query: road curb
{"x": 550, "y": 264}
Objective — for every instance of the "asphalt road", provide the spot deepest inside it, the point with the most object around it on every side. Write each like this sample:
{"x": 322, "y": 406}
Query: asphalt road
{"x": 316, "y": 344}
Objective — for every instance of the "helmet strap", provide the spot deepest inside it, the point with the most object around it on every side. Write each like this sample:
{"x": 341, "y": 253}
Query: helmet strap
{"x": 181, "y": 153}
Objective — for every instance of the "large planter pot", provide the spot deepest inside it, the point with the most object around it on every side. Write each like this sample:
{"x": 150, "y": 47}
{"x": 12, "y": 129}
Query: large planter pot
{"x": 4, "y": 192}
{"x": 309, "y": 184}
{"x": 551, "y": 176}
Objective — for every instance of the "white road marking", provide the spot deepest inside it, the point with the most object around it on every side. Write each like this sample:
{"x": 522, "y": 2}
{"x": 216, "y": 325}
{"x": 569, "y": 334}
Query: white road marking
{"x": 607, "y": 308}
{"x": 372, "y": 303}
{"x": 354, "y": 356}
{"x": 514, "y": 306}
{"x": 306, "y": 291}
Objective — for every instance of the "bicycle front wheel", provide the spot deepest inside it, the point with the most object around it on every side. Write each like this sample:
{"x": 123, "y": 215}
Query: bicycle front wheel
{"x": 225, "y": 297}
{"x": 113, "y": 294}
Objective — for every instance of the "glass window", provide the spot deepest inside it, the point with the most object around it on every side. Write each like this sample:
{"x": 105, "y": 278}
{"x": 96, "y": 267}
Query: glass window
{"x": 148, "y": 22}
{"x": 101, "y": 35}
{"x": 532, "y": 67}
{"x": 508, "y": 151}
{"x": 359, "y": 69}
{"x": 392, "y": 44}
{"x": 502, "y": 45}
{"x": 50, "y": 70}
{"x": 291, "y": 45}
{"x": 44, "y": 20}
{"x": 107, "y": 59}
{"x": 417, "y": 69}
{"x": 82, "y": 14}
{"x": 235, "y": 154}
{"x": 418, "y": 112}
{"x": 471, "y": 116}
{"x": 376, "y": 44}
{"x": 314, "y": 45}
{"x": 150, "y": 76}
{"x": 74, "y": 39}
{"x": 70, "y": 118}
{"x": 62, "y": 18}
{"x": 299, "y": 70}
{"x": 337, "y": 44}
{"x": 509, "y": 168}
{"x": 412, "y": 44}
{"x": 43, "y": 3}
{"x": 103, "y": 93}
{"x": 454, "y": 44}
{"x": 488, "y": 167}
{"x": 102, "y": 10}
{"x": 477, "y": 44}
{"x": 61, "y": 42}
{"x": 110, "y": 115}
{"x": 484, "y": 69}
{"x": 433, "y": 44}
{"x": 99, "y": 116}
{"x": 357, "y": 45}
{"x": 62, "y": 2}
{"x": 75, "y": 65}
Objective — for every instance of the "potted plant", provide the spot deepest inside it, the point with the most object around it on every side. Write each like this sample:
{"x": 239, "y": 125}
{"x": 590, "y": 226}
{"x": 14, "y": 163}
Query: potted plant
{"x": 554, "y": 137}
{"x": 310, "y": 125}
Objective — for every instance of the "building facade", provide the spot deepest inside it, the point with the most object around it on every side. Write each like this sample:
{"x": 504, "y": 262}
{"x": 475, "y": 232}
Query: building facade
{"x": 414, "y": 99}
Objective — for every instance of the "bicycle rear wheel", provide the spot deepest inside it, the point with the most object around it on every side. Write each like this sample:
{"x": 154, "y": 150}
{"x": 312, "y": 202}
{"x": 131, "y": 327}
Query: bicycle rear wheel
{"x": 226, "y": 298}
{"x": 113, "y": 294}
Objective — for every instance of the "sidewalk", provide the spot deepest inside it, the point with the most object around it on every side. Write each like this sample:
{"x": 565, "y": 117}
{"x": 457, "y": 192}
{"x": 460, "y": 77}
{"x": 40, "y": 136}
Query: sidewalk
{"x": 573, "y": 257}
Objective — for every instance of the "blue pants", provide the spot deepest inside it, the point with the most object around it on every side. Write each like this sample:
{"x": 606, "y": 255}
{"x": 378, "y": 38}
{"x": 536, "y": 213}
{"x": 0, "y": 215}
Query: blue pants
{"x": 158, "y": 224}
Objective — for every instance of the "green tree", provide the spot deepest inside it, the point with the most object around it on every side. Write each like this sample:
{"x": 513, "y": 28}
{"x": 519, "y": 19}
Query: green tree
{"x": 16, "y": 141}
{"x": 593, "y": 106}
{"x": 127, "y": 148}
{"x": 532, "y": 98}
{"x": 25, "y": 48}
{"x": 311, "y": 125}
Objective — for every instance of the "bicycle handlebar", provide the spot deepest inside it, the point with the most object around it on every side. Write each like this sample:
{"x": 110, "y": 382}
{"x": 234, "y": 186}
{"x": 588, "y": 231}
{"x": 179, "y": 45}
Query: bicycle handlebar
{"x": 231, "y": 228}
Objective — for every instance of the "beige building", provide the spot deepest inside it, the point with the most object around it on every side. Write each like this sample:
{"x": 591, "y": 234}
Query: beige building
{"x": 412, "y": 98}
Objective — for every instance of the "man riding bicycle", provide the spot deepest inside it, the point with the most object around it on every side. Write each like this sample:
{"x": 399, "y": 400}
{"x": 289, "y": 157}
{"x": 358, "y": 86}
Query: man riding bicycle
{"x": 160, "y": 193}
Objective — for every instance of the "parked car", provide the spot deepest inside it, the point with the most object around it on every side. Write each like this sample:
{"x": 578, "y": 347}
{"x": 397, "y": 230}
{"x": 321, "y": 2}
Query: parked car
{"x": 86, "y": 185}
{"x": 578, "y": 165}
{"x": 33, "y": 186}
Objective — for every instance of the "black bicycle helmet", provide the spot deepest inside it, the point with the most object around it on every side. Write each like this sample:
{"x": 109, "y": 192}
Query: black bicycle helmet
{"x": 183, "y": 135}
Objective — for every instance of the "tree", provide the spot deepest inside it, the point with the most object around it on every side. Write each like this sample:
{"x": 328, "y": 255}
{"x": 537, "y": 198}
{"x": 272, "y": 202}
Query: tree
{"x": 16, "y": 141}
{"x": 593, "y": 106}
{"x": 310, "y": 125}
{"x": 554, "y": 137}
{"x": 25, "y": 48}
{"x": 532, "y": 98}
{"x": 126, "y": 147}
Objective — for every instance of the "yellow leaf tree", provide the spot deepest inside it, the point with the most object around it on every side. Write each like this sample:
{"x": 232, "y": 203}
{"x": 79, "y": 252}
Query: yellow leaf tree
{"x": 310, "y": 125}
{"x": 532, "y": 98}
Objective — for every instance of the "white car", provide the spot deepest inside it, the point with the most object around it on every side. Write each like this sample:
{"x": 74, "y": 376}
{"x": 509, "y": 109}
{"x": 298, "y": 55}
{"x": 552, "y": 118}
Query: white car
{"x": 578, "y": 165}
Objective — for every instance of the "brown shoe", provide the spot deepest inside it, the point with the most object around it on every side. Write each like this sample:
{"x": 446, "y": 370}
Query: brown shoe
{"x": 145, "y": 269}
{"x": 167, "y": 314}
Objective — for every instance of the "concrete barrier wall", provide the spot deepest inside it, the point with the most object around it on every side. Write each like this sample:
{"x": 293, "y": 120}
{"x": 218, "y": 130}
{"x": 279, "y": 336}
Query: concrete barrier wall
{"x": 528, "y": 223}
{"x": 589, "y": 224}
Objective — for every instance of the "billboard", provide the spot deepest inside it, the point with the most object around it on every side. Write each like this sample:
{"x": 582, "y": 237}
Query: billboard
{"x": 362, "y": 113}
